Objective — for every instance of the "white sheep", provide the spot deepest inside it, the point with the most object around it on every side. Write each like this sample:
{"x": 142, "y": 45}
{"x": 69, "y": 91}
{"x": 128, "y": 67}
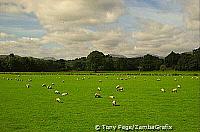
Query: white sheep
{"x": 58, "y": 99}
{"x": 175, "y": 79}
{"x": 28, "y": 85}
{"x": 100, "y": 80}
{"x": 43, "y": 85}
{"x": 178, "y": 86}
{"x": 117, "y": 86}
{"x": 49, "y": 87}
{"x": 57, "y": 92}
{"x": 111, "y": 97}
{"x": 158, "y": 79}
{"x": 114, "y": 103}
{"x": 52, "y": 84}
{"x": 97, "y": 95}
{"x": 174, "y": 90}
{"x": 120, "y": 89}
{"x": 162, "y": 90}
{"x": 63, "y": 81}
{"x": 64, "y": 94}
{"x": 99, "y": 88}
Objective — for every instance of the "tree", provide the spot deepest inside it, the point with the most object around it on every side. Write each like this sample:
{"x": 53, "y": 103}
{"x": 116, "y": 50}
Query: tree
{"x": 95, "y": 61}
{"x": 151, "y": 62}
{"x": 172, "y": 59}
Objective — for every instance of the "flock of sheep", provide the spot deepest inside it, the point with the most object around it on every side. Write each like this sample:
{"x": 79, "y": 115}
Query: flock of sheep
{"x": 114, "y": 102}
{"x": 118, "y": 88}
{"x": 174, "y": 90}
{"x": 43, "y": 85}
{"x": 56, "y": 91}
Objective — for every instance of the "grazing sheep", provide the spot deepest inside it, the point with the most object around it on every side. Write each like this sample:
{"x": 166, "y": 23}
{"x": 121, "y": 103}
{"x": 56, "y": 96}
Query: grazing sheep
{"x": 114, "y": 103}
{"x": 120, "y": 89}
{"x": 175, "y": 79}
{"x": 97, "y": 95}
{"x": 111, "y": 97}
{"x": 117, "y": 86}
{"x": 174, "y": 90}
{"x": 178, "y": 86}
{"x": 64, "y": 94}
{"x": 99, "y": 88}
{"x": 57, "y": 92}
{"x": 29, "y": 80}
{"x": 63, "y": 81}
{"x": 100, "y": 80}
{"x": 158, "y": 79}
{"x": 58, "y": 100}
{"x": 28, "y": 85}
{"x": 52, "y": 84}
{"x": 77, "y": 79}
{"x": 162, "y": 90}
{"x": 49, "y": 87}
{"x": 43, "y": 85}
{"x": 121, "y": 79}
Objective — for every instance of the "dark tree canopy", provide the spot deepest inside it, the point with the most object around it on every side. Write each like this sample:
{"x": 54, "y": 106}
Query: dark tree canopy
{"x": 97, "y": 61}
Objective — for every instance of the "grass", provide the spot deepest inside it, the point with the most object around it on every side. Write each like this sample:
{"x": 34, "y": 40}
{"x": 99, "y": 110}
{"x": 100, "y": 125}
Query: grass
{"x": 35, "y": 109}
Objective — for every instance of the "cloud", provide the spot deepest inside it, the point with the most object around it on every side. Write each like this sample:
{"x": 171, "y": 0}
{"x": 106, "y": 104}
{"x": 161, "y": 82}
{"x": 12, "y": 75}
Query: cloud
{"x": 75, "y": 28}
{"x": 66, "y": 13}
{"x": 6, "y": 36}
{"x": 11, "y": 7}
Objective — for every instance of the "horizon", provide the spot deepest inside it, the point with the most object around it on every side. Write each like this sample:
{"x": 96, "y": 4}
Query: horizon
{"x": 113, "y": 55}
{"x": 72, "y": 29}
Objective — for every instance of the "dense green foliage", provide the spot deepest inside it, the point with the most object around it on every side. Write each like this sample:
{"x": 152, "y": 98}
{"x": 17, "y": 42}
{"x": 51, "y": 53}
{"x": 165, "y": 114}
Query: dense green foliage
{"x": 35, "y": 109}
{"x": 97, "y": 61}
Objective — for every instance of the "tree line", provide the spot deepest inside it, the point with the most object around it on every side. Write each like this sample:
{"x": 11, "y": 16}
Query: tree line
{"x": 97, "y": 61}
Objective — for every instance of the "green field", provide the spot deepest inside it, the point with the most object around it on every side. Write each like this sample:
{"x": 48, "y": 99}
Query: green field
{"x": 35, "y": 109}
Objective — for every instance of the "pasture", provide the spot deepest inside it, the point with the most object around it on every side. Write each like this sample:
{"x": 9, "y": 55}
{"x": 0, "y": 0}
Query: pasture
{"x": 141, "y": 102}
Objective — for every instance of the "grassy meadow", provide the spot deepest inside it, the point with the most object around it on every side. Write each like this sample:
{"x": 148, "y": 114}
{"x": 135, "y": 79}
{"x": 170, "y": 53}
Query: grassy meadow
{"x": 35, "y": 109}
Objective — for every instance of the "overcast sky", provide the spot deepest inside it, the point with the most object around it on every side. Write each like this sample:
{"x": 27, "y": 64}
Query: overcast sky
{"x": 73, "y": 28}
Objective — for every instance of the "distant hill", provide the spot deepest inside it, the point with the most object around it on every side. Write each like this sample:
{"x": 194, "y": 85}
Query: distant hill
{"x": 117, "y": 56}
{"x": 49, "y": 58}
